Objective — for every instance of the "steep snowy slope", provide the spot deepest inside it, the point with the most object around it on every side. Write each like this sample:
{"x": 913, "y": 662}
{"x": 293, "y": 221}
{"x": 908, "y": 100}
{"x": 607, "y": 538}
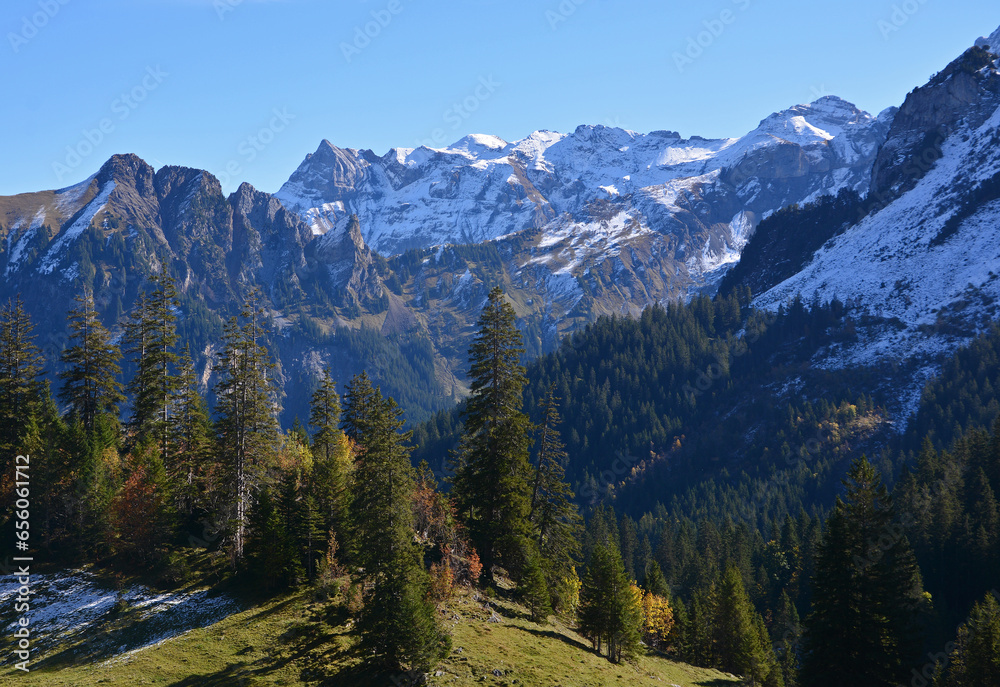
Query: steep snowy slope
{"x": 925, "y": 259}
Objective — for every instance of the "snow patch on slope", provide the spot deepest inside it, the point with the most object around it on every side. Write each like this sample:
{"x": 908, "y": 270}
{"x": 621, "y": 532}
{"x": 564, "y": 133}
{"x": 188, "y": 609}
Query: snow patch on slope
{"x": 74, "y": 606}
{"x": 17, "y": 251}
{"x": 71, "y": 233}
{"x": 934, "y": 295}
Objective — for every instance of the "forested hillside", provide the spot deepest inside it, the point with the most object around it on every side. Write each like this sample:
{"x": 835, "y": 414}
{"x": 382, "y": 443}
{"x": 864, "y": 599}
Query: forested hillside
{"x": 681, "y": 484}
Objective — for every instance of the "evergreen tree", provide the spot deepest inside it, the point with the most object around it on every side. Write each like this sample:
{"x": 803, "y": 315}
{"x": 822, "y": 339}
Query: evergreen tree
{"x": 90, "y": 381}
{"x": 556, "y": 520}
{"x": 866, "y": 592}
{"x": 397, "y": 623}
{"x": 151, "y": 336}
{"x": 975, "y": 660}
{"x": 191, "y": 430}
{"x": 655, "y": 582}
{"x": 534, "y": 589}
{"x": 610, "y": 613}
{"x": 491, "y": 483}
{"x": 741, "y": 640}
{"x": 268, "y": 551}
{"x": 330, "y": 455}
{"x": 247, "y": 427}
{"x": 22, "y": 392}
{"x": 785, "y": 634}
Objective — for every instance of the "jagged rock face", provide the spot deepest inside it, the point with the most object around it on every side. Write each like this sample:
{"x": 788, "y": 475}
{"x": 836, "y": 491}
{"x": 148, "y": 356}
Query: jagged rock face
{"x": 405, "y": 247}
{"x": 109, "y": 233}
{"x": 965, "y": 93}
{"x": 681, "y": 196}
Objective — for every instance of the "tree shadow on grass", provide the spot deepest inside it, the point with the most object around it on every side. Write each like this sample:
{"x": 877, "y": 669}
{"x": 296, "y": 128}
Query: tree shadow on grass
{"x": 552, "y": 634}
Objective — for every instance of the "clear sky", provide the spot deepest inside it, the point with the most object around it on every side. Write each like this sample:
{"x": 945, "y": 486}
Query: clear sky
{"x": 246, "y": 88}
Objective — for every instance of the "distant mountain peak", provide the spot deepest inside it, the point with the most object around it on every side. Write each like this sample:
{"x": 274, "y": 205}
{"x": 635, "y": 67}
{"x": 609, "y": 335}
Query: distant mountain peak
{"x": 483, "y": 187}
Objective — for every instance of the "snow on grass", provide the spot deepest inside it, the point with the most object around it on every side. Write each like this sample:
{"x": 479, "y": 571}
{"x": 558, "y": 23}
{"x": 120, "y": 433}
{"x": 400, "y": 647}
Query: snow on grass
{"x": 75, "y": 606}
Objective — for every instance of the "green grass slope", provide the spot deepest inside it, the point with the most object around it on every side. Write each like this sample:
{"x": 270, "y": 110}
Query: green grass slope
{"x": 295, "y": 640}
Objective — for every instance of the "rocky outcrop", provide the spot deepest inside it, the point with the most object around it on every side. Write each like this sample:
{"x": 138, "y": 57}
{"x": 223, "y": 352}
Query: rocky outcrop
{"x": 966, "y": 92}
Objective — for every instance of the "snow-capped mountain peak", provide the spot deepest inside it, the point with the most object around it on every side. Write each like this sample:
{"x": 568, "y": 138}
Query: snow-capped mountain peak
{"x": 483, "y": 187}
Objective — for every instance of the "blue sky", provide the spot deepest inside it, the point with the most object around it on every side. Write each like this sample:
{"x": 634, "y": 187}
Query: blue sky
{"x": 246, "y": 88}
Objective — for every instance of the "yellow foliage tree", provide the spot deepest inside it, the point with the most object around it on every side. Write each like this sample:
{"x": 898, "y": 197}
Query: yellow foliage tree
{"x": 657, "y": 620}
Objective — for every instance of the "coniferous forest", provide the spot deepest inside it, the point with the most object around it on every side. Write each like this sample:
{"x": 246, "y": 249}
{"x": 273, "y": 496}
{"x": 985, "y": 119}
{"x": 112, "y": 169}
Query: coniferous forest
{"x": 644, "y": 482}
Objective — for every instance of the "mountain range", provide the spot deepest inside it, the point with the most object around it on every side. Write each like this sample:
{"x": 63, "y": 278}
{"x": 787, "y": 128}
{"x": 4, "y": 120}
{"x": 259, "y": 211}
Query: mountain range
{"x": 384, "y": 262}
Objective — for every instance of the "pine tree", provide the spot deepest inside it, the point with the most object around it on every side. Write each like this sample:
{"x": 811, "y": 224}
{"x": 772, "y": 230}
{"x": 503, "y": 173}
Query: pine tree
{"x": 397, "y": 624}
{"x": 866, "y": 592}
{"x": 151, "y": 336}
{"x": 90, "y": 384}
{"x": 610, "y": 612}
{"x": 556, "y": 520}
{"x": 491, "y": 483}
{"x": 22, "y": 392}
{"x": 247, "y": 427}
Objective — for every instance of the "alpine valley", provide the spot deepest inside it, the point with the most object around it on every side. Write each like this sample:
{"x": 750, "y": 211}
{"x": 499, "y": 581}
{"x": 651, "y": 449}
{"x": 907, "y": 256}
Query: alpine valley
{"x": 384, "y": 262}
{"x": 585, "y": 408}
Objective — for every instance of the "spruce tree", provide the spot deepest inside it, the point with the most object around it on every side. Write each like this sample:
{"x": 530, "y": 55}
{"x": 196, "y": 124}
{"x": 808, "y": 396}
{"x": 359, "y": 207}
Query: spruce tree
{"x": 655, "y": 582}
{"x": 22, "y": 392}
{"x": 534, "y": 589}
{"x": 556, "y": 520}
{"x": 492, "y": 478}
{"x": 610, "y": 612}
{"x": 247, "y": 410}
{"x": 975, "y": 660}
{"x": 397, "y": 624}
{"x": 191, "y": 437}
{"x": 741, "y": 641}
{"x": 866, "y": 592}
{"x": 151, "y": 336}
{"x": 330, "y": 456}
{"x": 90, "y": 380}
